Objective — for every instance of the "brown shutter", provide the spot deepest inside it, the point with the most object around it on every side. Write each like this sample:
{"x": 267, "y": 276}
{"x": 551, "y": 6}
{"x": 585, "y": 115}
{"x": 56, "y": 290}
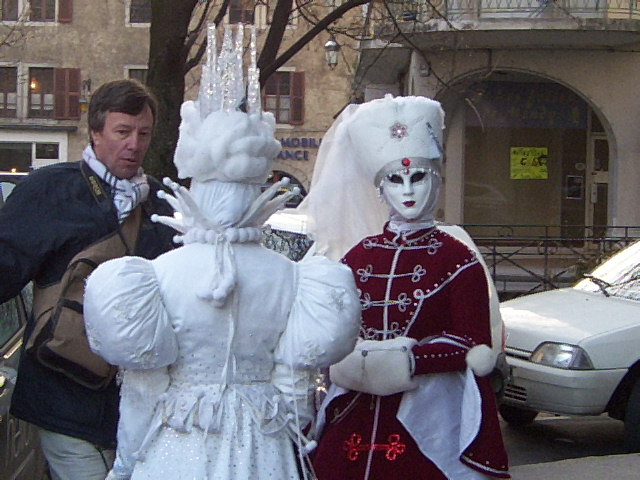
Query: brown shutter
{"x": 65, "y": 11}
{"x": 66, "y": 88}
{"x": 297, "y": 98}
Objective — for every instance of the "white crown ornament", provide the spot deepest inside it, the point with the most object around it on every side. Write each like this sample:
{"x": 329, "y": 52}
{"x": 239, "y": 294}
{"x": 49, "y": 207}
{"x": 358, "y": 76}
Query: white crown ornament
{"x": 226, "y": 146}
{"x": 218, "y": 140}
{"x": 221, "y": 141}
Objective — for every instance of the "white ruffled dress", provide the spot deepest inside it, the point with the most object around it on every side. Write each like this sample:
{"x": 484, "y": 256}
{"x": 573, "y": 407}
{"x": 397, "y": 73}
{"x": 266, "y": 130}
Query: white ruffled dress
{"x": 210, "y": 392}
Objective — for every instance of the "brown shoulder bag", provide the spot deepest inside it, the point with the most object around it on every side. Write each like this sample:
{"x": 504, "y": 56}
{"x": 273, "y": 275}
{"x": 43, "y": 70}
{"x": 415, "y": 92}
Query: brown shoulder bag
{"x": 59, "y": 339}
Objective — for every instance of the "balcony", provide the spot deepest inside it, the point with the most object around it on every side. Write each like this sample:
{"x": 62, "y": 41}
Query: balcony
{"x": 398, "y": 27}
{"x": 458, "y": 24}
{"x": 453, "y": 10}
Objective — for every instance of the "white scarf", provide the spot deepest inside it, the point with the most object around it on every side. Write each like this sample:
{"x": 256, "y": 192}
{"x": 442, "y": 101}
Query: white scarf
{"x": 126, "y": 193}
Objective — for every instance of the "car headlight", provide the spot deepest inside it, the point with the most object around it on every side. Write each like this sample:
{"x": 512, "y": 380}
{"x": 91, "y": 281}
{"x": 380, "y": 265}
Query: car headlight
{"x": 561, "y": 355}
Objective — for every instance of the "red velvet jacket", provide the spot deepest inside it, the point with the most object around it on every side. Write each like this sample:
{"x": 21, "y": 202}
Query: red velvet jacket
{"x": 427, "y": 285}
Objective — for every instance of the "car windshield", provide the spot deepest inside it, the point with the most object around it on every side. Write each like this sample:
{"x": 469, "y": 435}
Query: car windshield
{"x": 617, "y": 277}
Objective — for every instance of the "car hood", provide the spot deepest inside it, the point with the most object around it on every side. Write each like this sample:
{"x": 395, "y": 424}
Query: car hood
{"x": 566, "y": 315}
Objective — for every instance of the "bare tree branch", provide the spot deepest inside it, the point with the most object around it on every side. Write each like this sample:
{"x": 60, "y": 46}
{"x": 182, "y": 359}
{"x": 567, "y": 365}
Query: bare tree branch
{"x": 194, "y": 33}
{"x": 268, "y": 68}
{"x": 276, "y": 32}
{"x": 413, "y": 46}
{"x": 197, "y": 56}
{"x": 14, "y": 32}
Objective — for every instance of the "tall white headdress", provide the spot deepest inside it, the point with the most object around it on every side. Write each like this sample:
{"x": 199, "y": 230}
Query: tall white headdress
{"x": 226, "y": 146}
{"x": 365, "y": 143}
{"x": 224, "y": 135}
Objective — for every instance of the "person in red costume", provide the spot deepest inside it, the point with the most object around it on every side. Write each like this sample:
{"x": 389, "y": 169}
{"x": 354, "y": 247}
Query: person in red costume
{"x": 413, "y": 400}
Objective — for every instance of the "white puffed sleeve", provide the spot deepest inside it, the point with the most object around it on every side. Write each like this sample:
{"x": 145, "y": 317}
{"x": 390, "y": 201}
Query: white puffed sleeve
{"x": 322, "y": 329}
{"x": 325, "y": 316}
{"x": 126, "y": 320}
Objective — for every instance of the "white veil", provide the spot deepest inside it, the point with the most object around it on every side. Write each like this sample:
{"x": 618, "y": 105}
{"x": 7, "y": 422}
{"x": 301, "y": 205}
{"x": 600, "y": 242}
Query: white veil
{"x": 342, "y": 205}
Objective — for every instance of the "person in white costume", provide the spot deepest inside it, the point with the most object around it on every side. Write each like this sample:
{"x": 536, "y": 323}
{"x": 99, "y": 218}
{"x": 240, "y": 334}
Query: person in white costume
{"x": 219, "y": 340}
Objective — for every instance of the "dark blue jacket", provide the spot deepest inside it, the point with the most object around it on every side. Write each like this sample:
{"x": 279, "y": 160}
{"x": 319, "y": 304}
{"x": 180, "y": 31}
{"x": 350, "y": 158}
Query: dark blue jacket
{"x": 46, "y": 221}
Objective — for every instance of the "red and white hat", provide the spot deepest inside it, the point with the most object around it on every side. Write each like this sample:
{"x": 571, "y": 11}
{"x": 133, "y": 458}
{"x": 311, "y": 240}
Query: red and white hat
{"x": 391, "y": 134}
{"x": 365, "y": 143}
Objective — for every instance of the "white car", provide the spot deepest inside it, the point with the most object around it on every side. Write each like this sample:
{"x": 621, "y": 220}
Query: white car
{"x": 576, "y": 350}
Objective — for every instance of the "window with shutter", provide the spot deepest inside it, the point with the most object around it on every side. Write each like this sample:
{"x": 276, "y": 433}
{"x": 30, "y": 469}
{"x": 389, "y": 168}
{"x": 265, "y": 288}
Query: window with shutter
{"x": 65, "y": 11}
{"x": 297, "y": 98}
{"x": 67, "y": 93}
{"x": 10, "y": 9}
{"x": 139, "y": 74}
{"x": 271, "y": 6}
{"x": 41, "y": 95}
{"x": 42, "y": 11}
{"x": 242, "y": 11}
{"x": 8, "y": 92}
{"x": 283, "y": 95}
{"x": 37, "y": 10}
{"x": 140, "y": 11}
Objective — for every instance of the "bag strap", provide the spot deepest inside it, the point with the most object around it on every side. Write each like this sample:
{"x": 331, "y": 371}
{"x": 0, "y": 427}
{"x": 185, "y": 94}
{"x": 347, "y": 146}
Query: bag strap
{"x": 128, "y": 230}
{"x": 101, "y": 198}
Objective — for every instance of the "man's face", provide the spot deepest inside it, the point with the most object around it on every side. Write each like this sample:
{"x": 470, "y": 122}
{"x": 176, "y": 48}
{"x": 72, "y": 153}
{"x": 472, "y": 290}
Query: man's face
{"x": 411, "y": 192}
{"x": 123, "y": 142}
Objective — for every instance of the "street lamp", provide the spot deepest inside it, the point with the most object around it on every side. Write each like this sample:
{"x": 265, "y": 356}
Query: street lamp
{"x": 331, "y": 49}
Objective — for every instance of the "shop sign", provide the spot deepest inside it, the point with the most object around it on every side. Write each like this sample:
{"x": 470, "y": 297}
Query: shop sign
{"x": 297, "y": 148}
{"x": 529, "y": 163}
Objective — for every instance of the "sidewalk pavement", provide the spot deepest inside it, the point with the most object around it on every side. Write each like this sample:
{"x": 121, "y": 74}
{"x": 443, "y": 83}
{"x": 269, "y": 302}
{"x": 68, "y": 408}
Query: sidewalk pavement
{"x": 609, "y": 467}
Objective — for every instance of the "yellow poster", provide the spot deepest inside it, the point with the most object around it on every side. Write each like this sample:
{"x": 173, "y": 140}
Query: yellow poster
{"x": 529, "y": 163}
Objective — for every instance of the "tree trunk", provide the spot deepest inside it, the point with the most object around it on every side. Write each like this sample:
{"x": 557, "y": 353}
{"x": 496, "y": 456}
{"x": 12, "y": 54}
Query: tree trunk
{"x": 166, "y": 78}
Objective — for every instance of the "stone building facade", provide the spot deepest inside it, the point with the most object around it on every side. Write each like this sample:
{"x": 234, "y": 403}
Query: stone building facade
{"x": 56, "y": 52}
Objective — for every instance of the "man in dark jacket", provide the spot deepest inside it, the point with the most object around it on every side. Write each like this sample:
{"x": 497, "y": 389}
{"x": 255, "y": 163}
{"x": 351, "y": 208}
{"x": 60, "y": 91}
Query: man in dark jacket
{"x": 49, "y": 218}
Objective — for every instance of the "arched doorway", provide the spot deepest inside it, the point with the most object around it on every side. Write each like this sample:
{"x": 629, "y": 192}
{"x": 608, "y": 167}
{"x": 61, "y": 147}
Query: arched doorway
{"x": 535, "y": 154}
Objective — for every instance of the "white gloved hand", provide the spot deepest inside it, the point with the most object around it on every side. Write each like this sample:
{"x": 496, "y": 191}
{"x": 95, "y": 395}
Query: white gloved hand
{"x": 378, "y": 367}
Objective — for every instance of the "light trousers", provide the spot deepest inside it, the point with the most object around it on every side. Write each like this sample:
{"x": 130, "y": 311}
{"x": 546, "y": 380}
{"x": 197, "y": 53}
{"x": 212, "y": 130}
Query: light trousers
{"x": 71, "y": 458}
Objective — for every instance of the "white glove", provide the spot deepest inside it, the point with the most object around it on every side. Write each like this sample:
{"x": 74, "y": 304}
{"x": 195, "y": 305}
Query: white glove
{"x": 378, "y": 367}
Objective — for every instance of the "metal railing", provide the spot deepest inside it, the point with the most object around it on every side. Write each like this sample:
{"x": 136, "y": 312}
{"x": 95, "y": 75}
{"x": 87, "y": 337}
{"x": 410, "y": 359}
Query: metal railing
{"x": 521, "y": 259}
{"x": 422, "y": 10}
{"x": 526, "y": 259}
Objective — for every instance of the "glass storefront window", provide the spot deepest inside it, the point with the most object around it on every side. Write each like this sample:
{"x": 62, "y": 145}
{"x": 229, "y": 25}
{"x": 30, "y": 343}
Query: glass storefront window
{"x": 15, "y": 156}
{"x": 548, "y": 125}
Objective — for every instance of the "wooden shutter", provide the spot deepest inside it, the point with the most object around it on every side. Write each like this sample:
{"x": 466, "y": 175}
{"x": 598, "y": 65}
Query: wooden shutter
{"x": 297, "y": 98}
{"x": 65, "y": 11}
{"x": 66, "y": 88}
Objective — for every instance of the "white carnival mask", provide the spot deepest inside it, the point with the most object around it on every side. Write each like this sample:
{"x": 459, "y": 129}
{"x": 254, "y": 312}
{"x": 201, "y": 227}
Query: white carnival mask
{"x": 412, "y": 192}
